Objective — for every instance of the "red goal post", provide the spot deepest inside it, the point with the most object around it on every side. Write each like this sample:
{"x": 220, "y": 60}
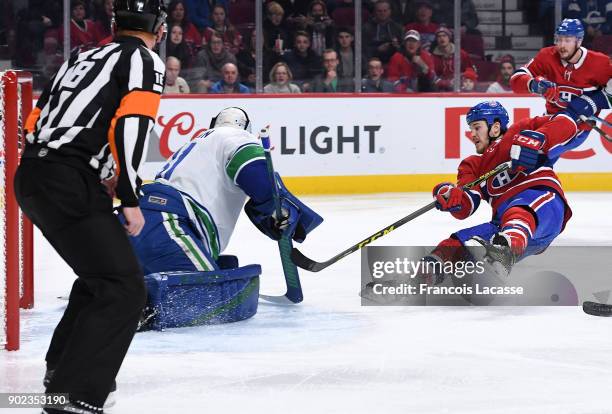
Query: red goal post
{"x": 16, "y": 236}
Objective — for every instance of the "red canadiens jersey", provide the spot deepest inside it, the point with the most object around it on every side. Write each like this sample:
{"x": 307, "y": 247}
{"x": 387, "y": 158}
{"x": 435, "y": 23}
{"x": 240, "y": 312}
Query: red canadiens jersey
{"x": 591, "y": 72}
{"x": 505, "y": 185}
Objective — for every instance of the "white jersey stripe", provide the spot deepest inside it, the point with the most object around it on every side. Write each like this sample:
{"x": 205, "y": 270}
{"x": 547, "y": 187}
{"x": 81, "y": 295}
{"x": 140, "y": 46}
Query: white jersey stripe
{"x": 136, "y": 71}
{"x": 88, "y": 94}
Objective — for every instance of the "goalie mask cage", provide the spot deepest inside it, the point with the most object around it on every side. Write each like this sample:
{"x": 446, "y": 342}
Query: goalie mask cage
{"x": 16, "y": 241}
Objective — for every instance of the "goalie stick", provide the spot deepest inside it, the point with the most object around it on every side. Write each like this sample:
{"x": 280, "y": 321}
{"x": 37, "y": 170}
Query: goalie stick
{"x": 305, "y": 263}
{"x": 597, "y": 309}
{"x": 285, "y": 244}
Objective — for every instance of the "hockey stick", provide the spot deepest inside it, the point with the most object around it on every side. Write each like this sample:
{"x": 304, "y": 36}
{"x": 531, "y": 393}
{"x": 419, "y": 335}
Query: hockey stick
{"x": 598, "y": 119}
{"x": 595, "y": 118}
{"x": 285, "y": 244}
{"x": 305, "y": 263}
{"x": 596, "y": 128}
{"x": 597, "y": 309}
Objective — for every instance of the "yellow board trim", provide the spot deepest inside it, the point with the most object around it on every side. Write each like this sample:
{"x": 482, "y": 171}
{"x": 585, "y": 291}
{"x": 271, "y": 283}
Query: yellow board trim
{"x": 364, "y": 184}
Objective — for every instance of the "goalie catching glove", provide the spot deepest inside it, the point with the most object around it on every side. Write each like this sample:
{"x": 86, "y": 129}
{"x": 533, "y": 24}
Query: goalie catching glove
{"x": 297, "y": 218}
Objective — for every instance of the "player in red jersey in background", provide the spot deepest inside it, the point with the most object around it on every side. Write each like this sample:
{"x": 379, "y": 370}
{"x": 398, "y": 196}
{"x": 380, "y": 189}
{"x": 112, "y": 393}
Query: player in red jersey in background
{"x": 529, "y": 206}
{"x": 574, "y": 81}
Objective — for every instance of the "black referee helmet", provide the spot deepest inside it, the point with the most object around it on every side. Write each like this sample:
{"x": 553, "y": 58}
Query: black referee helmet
{"x": 141, "y": 15}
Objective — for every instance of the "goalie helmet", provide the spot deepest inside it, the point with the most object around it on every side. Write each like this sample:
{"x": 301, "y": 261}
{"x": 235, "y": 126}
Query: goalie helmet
{"x": 232, "y": 117}
{"x": 490, "y": 112}
{"x": 140, "y": 15}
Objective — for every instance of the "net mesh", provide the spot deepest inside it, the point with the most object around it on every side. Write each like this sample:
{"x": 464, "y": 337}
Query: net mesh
{"x": 3, "y": 319}
{"x": 19, "y": 136}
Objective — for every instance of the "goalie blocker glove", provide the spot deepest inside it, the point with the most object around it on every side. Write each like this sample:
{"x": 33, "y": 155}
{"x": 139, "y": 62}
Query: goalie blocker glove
{"x": 298, "y": 219}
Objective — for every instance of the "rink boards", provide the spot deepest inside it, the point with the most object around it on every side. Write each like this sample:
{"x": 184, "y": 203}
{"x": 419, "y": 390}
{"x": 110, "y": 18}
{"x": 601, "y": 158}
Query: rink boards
{"x": 366, "y": 143}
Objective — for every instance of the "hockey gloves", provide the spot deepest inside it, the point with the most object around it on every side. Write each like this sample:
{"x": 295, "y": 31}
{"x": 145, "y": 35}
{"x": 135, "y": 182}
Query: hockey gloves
{"x": 544, "y": 87}
{"x": 448, "y": 197}
{"x": 526, "y": 151}
{"x": 263, "y": 216}
{"x": 588, "y": 104}
{"x": 297, "y": 218}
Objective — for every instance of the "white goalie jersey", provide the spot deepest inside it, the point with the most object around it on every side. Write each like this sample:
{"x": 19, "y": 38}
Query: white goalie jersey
{"x": 206, "y": 171}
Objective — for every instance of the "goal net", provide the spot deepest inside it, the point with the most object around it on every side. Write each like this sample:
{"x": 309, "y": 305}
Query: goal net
{"x": 16, "y": 273}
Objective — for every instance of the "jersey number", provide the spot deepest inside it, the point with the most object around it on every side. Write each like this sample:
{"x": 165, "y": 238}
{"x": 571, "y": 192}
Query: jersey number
{"x": 74, "y": 76}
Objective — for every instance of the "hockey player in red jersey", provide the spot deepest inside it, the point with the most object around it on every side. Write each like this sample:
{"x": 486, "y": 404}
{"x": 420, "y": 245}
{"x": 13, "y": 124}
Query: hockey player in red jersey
{"x": 529, "y": 205}
{"x": 574, "y": 81}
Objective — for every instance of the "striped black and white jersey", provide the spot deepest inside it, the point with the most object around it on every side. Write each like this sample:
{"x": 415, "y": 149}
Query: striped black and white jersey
{"x": 98, "y": 111}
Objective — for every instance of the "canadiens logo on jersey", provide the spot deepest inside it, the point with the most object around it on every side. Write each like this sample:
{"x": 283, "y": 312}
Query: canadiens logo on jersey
{"x": 500, "y": 182}
{"x": 567, "y": 93}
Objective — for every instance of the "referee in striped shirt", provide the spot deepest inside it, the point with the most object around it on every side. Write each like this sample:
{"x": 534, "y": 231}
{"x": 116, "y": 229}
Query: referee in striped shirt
{"x": 90, "y": 126}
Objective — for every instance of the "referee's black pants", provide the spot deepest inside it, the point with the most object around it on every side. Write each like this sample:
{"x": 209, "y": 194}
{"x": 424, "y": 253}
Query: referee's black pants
{"x": 74, "y": 213}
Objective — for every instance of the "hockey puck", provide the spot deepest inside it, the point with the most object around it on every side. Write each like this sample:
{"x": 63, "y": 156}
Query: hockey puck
{"x": 597, "y": 309}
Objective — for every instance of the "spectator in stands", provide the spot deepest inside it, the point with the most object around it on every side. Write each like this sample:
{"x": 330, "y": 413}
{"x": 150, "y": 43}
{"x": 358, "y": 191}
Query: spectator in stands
{"x": 295, "y": 11}
{"x": 280, "y": 80}
{"x": 506, "y": 69}
{"x": 444, "y": 14}
{"x": 229, "y": 83}
{"x": 320, "y": 27}
{"x": 174, "y": 83}
{"x": 178, "y": 13}
{"x": 346, "y": 53}
{"x": 597, "y": 13}
{"x": 276, "y": 33}
{"x": 595, "y": 26}
{"x": 423, "y": 24}
{"x": 329, "y": 81}
{"x": 381, "y": 35}
{"x": 176, "y": 46}
{"x": 33, "y": 22}
{"x": 468, "y": 80}
{"x": 232, "y": 39}
{"x": 209, "y": 64}
{"x": 103, "y": 16}
{"x": 413, "y": 66}
{"x": 83, "y": 31}
{"x": 303, "y": 62}
{"x": 199, "y": 11}
{"x": 401, "y": 11}
{"x": 443, "y": 55}
{"x": 246, "y": 61}
{"x": 374, "y": 82}
{"x": 241, "y": 12}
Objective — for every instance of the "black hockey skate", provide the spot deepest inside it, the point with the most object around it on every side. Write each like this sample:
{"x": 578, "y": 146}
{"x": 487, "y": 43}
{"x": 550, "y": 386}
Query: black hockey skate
{"x": 496, "y": 255}
{"x": 110, "y": 400}
{"x": 73, "y": 407}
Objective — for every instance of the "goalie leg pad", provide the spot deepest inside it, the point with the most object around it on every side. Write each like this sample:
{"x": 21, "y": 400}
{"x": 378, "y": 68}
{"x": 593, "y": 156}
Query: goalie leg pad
{"x": 178, "y": 299}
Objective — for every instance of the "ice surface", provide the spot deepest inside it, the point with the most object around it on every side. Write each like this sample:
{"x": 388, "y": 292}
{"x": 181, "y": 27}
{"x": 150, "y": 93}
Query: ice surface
{"x": 330, "y": 355}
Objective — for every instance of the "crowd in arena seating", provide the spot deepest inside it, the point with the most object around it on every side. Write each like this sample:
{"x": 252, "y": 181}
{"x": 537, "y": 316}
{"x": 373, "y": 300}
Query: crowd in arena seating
{"x": 308, "y": 45}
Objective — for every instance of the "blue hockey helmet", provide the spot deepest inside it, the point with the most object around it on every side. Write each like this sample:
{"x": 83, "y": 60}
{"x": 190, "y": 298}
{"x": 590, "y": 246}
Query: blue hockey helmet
{"x": 489, "y": 111}
{"x": 570, "y": 27}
